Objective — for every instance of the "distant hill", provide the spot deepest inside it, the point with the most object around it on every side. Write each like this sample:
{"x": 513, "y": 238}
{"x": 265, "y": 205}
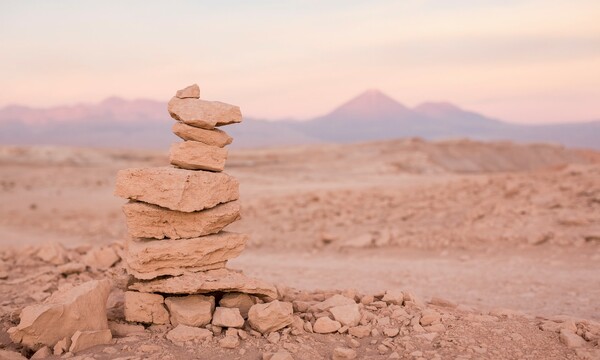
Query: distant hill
{"x": 370, "y": 116}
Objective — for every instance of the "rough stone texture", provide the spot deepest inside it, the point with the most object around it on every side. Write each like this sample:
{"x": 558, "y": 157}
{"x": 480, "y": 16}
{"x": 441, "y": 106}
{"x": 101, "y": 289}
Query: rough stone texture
{"x": 347, "y": 315}
{"x": 145, "y": 308}
{"x": 241, "y": 301}
{"x": 204, "y": 114}
{"x": 224, "y": 280}
{"x": 228, "y": 317}
{"x": 148, "y": 259}
{"x": 82, "y": 340}
{"x": 151, "y": 221}
{"x": 192, "y": 91}
{"x": 194, "y": 155}
{"x": 124, "y": 330}
{"x": 360, "y": 331}
{"x": 11, "y": 355}
{"x": 570, "y": 339}
{"x": 214, "y": 137}
{"x": 42, "y": 353}
{"x": 53, "y": 253}
{"x": 101, "y": 258}
{"x": 184, "y": 333}
{"x": 335, "y": 300}
{"x": 270, "y": 317}
{"x": 176, "y": 189}
{"x": 192, "y": 310}
{"x": 325, "y": 325}
{"x": 394, "y": 297}
{"x": 82, "y": 308}
{"x": 340, "y": 353}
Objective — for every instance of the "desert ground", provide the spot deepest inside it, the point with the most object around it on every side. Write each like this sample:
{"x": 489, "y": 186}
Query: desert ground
{"x": 502, "y": 239}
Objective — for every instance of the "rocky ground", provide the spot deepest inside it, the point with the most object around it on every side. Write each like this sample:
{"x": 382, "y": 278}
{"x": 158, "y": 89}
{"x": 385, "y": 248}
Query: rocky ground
{"x": 466, "y": 230}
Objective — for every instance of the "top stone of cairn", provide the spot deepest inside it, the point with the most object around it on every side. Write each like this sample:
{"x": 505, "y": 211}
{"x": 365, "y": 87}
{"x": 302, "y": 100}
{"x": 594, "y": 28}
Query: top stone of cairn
{"x": 187, "y": 107}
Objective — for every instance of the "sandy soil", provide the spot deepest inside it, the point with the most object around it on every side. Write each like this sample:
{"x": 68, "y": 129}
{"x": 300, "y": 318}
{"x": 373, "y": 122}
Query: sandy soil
{"x": 484, "y": 225}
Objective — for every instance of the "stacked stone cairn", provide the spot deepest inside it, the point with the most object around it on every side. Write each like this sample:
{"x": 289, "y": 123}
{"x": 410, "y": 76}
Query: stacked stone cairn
{"x": 177, "y": 249}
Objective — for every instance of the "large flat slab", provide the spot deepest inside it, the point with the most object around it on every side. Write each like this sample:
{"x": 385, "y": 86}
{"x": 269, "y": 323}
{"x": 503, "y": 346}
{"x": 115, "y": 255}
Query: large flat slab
{"x": 177, "y": 189}
{"x": 194, "y": 155}
{"x": 214, "y": 137}
{"x": 223, "y": 280}
{"x": 152, "y": 221}
{"x": 203, "y": 114}
{"x": 148, "y": 259}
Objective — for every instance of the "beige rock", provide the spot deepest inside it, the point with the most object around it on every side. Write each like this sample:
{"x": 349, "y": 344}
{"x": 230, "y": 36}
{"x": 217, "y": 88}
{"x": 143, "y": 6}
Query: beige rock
{"x": 395, "y": 297}
{"x": 53, "y": 253}
{"x": 183, "y": 333}
{"x": 177, "y": 189}
{"x": 194, "y": 155}
{"x": 204, "y": 114}
{"x": 151, "y": 221}
{"x": 325, "y": 325}
{"x": 228, "y": 317}
{"x": 62, "y": 346}
{"x": 269, "y": 317}
{"x": 101, "y": 257}
{"x": 192, "y": 91}
{"x": 148, "y": 259}
{"x": 223, "y": 280}
{"x": 570, "y": 339}
{"x": 360, "y": 331}
{"x": 441, "y": 302}
{"x": 124, "y": 330}
{"x": 429, "y": 317}
{"x": 191, "y": 310}
{"x": 11, "y": 355}
{"x": 145, "y": 308}
{"x": 340, "y": 353}
{"x": 71, "y": 268}
{"x": 281, "y": 355}
{"x": 81, "y": 308}
{"x": 391, "y": 331}
{"x": 229, "y": 342}
{"x": 82, "y": 340}
{"x": 335, "y": 300}
{"x": 241, "y": 301}
{"x": 214, "y": 137}
{"x": 348, "y": 315}
{"x": 42, "y": 353}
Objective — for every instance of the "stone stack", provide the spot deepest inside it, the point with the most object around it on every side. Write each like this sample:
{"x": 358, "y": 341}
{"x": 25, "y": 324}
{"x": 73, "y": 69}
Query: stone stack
{"x": 177, "y": 249}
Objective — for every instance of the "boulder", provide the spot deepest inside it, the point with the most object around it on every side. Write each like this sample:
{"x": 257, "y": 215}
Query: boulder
{"x": 145, "y": 308}
{"x": 191, "y": 310}
{"x": 203, "y": 114}
{"x": 148, "y": 259}
{"x": 214, "y": 137}
{"x": 176, "y": 189}
{"x": 228, "y": 317}
{"x": 324, "y": 325}
{"x": 270, "y": 317}
{"x": 82, "y": 340}
{"x": 183, "y": 333}
{"x": 241, "y": 301}
{"x": 223, "y": 280}
{"x": 347, "y": 315}
{"x": 81, "y": 308}
{"x": 151, "y": 221}
{"x": 194, "y": 155}
{"x": 192, "y": 91}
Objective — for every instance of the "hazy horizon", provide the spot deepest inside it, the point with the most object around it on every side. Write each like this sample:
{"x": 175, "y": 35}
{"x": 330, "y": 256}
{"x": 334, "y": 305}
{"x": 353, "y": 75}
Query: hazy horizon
{"x": 519, "y": 61}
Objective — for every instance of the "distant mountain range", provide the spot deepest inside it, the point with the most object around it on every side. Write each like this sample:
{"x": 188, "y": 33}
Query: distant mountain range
{"x": 370, "y": 116}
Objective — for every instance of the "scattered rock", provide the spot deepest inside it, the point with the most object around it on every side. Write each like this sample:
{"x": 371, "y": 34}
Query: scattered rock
{"x": 229, "y": 342}
{"x": 395, "y": 297}
{"x": 192, "y": 91}
{"x": 80, "y": 308}
{"x": 194, "y": 155}
{"x": 82, "y": 340}
{"x": 228, "y": 317}
{"x": 192, "y": 310}
{"x": 325, "y": 325}
{"x": 71, "y": 268}
{"x": 281, "y": 355}
{"x": 335, "y": 300}
{"x": 343, "y": 353}
{"x": 441, "y": 302}
{"x": 53, "y": 252}
{"x": 11, "y": 355}
{"x": 360, "y": 331}
{"x": 270, "y": 317}
{"x": 124, "y": 330}
{"x": 214, "y": 137}
{"x": 183, "y": 333}
{"x": 571, "y": 339}
{"x": 241, "y": 301}
{"x": 391, "y": 332}
{"x": 42, "y": 353}
{"x": 348, "y": 315}
{"x": 101, "y": 258}
{"x": 145, "y": 308}
{"x": 429, "y": 317}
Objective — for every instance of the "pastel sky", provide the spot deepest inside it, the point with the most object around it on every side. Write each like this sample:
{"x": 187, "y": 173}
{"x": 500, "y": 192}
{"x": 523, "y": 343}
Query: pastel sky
{"x": 519, "y": 60}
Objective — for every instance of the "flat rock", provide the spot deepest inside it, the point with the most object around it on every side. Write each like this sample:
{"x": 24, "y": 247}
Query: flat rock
{"x": 148, "y": 259}
{"x": 183, "y": 333}
{"x": 335, "y": 300}
{"x": 80, "y": 308}
{"x": 177, "y": 189}
{"x": 145, "y": 308}
{"x": 347, "y": 315}
{"x": 324, "y": 325}
{"x": 203, "y": 114}
{"x": 223, "y": 280}
{"x": 101, "y": 258}
{"x": 269, "y": 317}
{"x": 243, "y": 302}
{"x": 194, "y": 155}
{"x": 191, "y": 310}
{"x": 192, "y": 91}
{"x": 151, "y": 221}
{"x": 82, "y": 340}
{"x": 214, "y": 137}
{"x": 124, "y": 330}
{"x": 228, "y": 317}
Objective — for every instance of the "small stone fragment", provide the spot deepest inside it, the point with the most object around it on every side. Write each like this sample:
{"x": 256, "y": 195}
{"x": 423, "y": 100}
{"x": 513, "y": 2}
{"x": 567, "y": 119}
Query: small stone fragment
{"x": 335, "y": 300}
{"x": 145, "y": 308}
{"x": 42, "y": 353}
{"x": 191, "y": 310}
{"x": 62, "y": 346}
{"x": 192, "y": 91}
{"x": 214, "y": 137}
{"x": 348, "y": 315}
{"x": 82, "y": 340}
{"x": 570, "y": 339}
{"x": 124, "y": 330}
{"x": 53, "y": 253}
{"x": 270, "y": 317}
{"x": 343, "y": 353}
{"x": 228, "y": 317}
{"x": 194, "y": 155}
{"x": 360, "y": 331}
{"x": 184, "y": 333}
{"x": 325, "y": 325}
{"x": 429, "y": 317}
{"x": 395, "y": 297}
{"x": 101, "y": 258}
{"x": 391, "y": 332}
{"x": 229, "y": 342}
